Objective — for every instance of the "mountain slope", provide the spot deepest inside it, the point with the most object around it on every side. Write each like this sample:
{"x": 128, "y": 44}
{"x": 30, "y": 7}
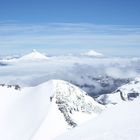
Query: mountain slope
{"x": 127, "y": 92}
{"x": 121, "y": 122}
{"x": 71, "y": 106}
{"x": 45, "y": 111}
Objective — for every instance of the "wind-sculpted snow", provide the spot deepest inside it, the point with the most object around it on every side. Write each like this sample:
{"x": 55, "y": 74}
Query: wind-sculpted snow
{"x": 45, "y": 111}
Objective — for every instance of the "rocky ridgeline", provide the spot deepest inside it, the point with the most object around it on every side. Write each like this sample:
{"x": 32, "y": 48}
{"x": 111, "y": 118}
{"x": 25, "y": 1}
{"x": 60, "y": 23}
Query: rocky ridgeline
{"x": 16, "y": 87}
{"x": 126, "y": 92}
{"x": 71, "y": 99}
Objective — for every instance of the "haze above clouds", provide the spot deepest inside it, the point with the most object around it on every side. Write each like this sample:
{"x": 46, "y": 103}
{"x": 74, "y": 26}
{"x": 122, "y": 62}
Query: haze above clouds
{"x": 65, "y": 38}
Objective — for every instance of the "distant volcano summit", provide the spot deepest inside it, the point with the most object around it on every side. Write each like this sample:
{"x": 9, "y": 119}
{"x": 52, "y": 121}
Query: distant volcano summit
{"x": 93, "y": 53}
{"x": 34, "y": 55}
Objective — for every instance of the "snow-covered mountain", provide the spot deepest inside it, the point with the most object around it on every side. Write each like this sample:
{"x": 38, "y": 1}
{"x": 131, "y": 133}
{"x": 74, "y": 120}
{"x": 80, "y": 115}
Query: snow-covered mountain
{"x": 34, "y": 55}
{"x": 120, "y": 122}
{"x": 126, "y": 92}
{"x": 70, "y": 99}
{"x": 45, "y": 111}
{"x": 93, "y": 53}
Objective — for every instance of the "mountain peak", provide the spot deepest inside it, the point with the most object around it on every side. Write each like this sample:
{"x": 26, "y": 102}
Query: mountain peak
{"x": 71, "y": 100}
{"x": 73, "y": 103}
{"x": 34, "y": 50}
{"x": 53, "y": 106}
{"x": 93, "y": 53}
{"x": 34, "y": 55}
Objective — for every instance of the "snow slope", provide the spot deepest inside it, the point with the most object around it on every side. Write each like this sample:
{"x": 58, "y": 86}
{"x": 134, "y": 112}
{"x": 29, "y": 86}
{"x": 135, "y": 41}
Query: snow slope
{"x": 23, "y": 112}
{"x": 71, "y": 106}
{"x": 45, "y": 111}
{"x": 121, "y": 122}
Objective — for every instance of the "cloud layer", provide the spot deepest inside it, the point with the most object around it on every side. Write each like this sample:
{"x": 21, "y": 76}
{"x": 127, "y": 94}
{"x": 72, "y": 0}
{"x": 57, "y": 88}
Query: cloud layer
{"x": 94, "y": 75}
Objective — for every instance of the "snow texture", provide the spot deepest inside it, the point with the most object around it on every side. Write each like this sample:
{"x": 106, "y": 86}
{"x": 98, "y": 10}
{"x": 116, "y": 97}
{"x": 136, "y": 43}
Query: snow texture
{"x": 120, "y": 122}
{"x": 43, "y": 112}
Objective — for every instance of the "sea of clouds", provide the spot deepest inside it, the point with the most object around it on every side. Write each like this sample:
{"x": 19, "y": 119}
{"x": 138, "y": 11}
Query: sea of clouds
{"x": 94, "y": 75}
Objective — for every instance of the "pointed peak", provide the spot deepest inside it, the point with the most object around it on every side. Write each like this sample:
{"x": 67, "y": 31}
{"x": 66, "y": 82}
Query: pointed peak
{"x": 93, "y": 53}
{"x": 34, "y": 50}
{"x": 34, "y": 55}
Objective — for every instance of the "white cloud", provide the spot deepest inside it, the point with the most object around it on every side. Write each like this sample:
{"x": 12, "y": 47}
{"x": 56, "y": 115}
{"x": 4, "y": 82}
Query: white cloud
{"x": 84, "y": 71}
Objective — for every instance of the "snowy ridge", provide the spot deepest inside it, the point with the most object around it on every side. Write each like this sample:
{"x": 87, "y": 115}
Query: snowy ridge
{"x": 120, "y": 122}
{"x": 130, "y": 90}
{"x": 52, "y": 107}
{"x": 127, "y": 92}
{"x": 16, "y": 87}
{"x": 71, "y": 99}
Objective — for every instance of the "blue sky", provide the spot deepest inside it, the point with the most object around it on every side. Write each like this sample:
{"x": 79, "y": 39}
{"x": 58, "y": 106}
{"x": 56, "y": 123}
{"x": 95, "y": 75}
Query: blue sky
{"x": 105, "y": 25}
{"x": 120, "y": 12}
